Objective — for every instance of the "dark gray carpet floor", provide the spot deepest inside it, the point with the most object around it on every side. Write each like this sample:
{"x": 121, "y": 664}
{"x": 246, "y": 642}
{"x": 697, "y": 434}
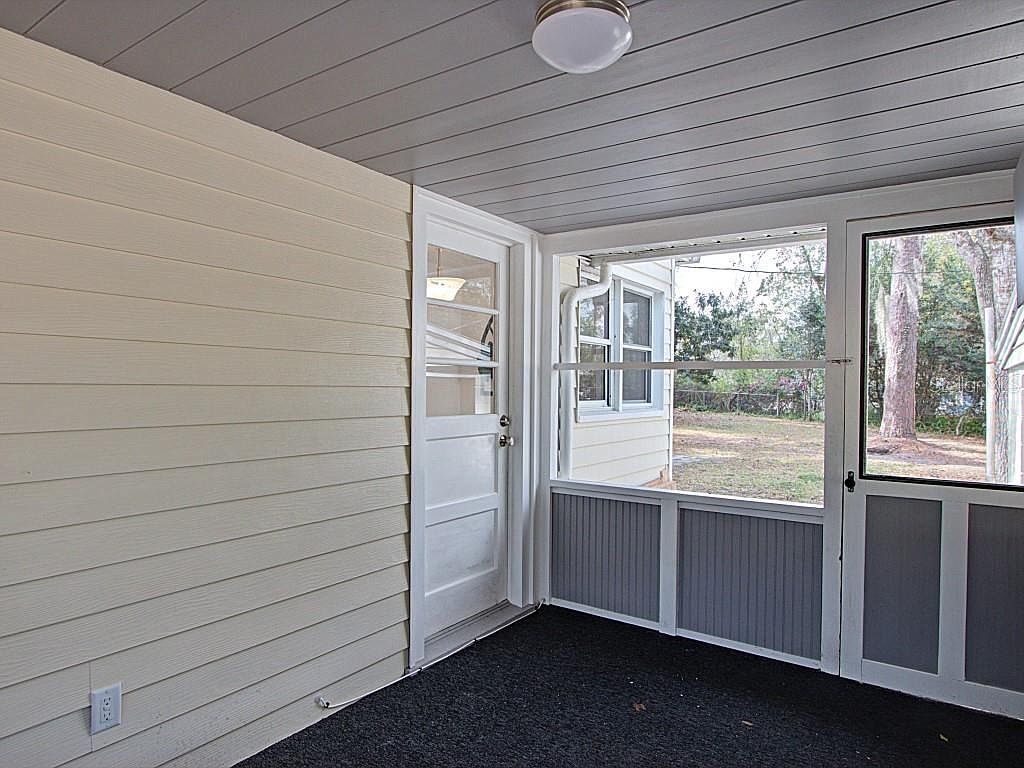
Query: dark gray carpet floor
{"x": 561, "y": 688}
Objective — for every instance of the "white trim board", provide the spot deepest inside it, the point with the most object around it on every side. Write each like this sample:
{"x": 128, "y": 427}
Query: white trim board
{"x": 429, "y": 207}
{"x": 602, "y": 613}
{"x": 756, "y": 650}
{"x": 957, "y": 191}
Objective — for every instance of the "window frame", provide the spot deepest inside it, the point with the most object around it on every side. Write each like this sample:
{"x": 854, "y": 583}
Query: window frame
{"x": 863, "y": 310}
{"x": 596, "y": 341}
{"x": 650, "y": 296}
{"x": 615, "y": 407}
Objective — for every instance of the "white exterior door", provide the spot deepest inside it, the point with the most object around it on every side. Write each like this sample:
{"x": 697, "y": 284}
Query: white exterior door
{"x": 467, "y": 427}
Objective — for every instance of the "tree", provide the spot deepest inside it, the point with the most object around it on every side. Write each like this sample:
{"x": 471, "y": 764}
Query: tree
{"x": 704, "y": 329}
{"x": 989, "y": 253}
{"x": 951, "y": 342}
{"x": 898, "y": 318}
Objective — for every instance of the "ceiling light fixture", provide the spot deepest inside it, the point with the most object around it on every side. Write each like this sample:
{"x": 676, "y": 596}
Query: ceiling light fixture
{"x": 444, "y": 288}
{"x": 580, "y": 36}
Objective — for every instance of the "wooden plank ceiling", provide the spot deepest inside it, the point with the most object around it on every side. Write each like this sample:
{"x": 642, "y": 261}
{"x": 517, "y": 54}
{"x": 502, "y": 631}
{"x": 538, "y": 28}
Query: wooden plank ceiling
{"x": 719, "y": 103}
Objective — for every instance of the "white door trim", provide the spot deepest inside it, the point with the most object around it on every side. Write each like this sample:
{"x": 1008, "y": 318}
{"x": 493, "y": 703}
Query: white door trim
{"x": 427, "y": 208}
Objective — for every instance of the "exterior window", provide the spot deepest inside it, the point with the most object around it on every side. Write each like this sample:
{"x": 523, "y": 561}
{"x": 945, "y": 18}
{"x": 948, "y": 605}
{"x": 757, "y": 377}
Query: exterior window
{"x": 636, "y": 346}
{"x": 595, "y": 346}
{"x": 618, "y": 326}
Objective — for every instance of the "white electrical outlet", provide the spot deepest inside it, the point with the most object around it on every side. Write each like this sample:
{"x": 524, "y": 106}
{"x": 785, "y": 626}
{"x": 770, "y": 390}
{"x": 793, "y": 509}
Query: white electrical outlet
{"x": 106, "y": 708}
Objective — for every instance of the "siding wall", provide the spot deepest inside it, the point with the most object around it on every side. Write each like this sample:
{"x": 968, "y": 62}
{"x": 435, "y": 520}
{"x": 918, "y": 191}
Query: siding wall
{"x": 620, "y": 449}
{"x": 204, "y": 330}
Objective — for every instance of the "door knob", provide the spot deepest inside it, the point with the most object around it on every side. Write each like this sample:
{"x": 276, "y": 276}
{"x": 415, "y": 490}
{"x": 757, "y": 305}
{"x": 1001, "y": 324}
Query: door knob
{"x": 506, "y": 441}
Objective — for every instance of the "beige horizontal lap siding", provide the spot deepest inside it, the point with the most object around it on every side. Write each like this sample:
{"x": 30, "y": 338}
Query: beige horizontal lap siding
{"x": 204, "y": 405}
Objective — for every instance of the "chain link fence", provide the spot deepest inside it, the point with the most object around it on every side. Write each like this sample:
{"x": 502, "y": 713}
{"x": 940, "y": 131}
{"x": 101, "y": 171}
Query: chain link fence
{"x": 790, "y": 405}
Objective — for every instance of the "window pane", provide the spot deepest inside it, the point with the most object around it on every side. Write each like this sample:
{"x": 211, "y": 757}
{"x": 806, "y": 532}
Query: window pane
{"x": 594, "y": 317}
{"x": 942, "y": 386}
{"x": 636, "y": 319}
{"x": 455, "y": 390}
{"x": 460, "y": 333}
{"x": 460, "y": 278}
{"x": 636, "y": 385}
{"x": 753, "y": 433}
{"x": 593, "y": 385}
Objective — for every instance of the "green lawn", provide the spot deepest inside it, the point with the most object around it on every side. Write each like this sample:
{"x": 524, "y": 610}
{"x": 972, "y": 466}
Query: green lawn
{"x": 736, "y": 454}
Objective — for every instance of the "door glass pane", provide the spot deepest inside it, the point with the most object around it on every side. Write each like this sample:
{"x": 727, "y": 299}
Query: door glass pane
{"x": 943, "y": 361}
{"x": 593, "y": 385}
{"x": 457, "y": 390}
{"x": 459, "y": 333}
{"x": 636, "y": 385}
{"x": 636, "y": 319}
{"x": 460, "y": 278}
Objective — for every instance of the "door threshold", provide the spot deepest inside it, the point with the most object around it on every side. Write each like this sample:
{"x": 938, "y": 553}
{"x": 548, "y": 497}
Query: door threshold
{"x": 465, "y": 633}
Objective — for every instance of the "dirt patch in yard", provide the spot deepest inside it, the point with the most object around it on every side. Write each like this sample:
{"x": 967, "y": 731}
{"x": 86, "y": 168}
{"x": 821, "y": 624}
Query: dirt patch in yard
{"x": 937, "y": 457}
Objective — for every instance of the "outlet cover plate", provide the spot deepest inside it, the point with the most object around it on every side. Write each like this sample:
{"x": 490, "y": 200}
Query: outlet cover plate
{"x": 106, "y": 708}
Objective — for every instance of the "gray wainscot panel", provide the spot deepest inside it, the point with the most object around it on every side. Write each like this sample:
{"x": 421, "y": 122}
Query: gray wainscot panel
{"x": 752, "y": 580}
{"x": 995, "y": 597}
{"x": 605, "y": 554}
{"x": 901, "y": 582}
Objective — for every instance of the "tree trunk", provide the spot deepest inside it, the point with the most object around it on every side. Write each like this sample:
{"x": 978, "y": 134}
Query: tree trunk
{"x": 993, "y": 267}
{"x": 899, "y": 403}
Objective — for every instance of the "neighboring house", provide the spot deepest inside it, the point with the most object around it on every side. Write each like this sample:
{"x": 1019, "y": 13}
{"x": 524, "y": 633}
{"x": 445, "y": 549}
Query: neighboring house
{"x": 1010, "y": 357}
{"x": 622, "y": 420}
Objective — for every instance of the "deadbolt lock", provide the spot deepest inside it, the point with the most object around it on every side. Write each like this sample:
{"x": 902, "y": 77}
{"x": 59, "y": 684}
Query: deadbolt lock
{"x": 504, "y": 421}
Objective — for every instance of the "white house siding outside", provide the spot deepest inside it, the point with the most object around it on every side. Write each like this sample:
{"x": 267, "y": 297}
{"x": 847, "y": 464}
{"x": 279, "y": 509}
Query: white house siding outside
{"x": 628, "y": 444}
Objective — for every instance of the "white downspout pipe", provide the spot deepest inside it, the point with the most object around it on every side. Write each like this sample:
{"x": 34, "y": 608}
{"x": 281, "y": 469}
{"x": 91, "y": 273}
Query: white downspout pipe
{"x": 571, "y": 298}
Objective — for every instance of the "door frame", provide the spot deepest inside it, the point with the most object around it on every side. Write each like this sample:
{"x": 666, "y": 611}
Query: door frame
{"x": 948, "y": 683}
{"x": 427, "y": 208}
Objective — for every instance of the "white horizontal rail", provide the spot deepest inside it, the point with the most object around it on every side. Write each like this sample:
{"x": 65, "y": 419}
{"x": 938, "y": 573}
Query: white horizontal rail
{"x": 697, "y": 365}
{"x": 462, "y": 307}
{"x": 463, "y": 362}
{"x": 737, "y": 505}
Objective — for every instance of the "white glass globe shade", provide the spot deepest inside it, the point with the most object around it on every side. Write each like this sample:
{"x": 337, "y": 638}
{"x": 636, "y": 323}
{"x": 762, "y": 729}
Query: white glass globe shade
{"x": 581, "y": 40}
{"x": 444, "y": 288}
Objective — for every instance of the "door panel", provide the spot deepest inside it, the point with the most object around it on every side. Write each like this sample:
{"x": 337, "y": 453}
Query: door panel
{"x": 995, "y": 595}
{"x": 465, "y": 459}
{"x": 901, "y": 581}
{"x": 461, "y": 468}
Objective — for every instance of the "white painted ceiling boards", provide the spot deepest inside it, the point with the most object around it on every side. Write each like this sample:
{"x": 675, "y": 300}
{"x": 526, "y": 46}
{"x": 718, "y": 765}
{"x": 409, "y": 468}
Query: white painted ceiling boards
{"x": 719, "y": 103}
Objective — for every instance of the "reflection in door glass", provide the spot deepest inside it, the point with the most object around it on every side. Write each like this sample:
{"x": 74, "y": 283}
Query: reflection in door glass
{"x": 460, "y": 334}
{"x": 943, "y": 363}
{"x": 460, "y": 278}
